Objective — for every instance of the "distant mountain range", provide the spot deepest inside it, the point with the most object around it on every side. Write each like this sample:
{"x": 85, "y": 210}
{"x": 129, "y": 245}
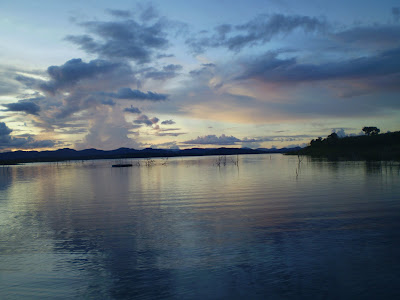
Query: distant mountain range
{"x": 15, "y": 157}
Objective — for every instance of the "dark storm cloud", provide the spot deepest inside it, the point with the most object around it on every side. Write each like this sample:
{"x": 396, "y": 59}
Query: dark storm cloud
{"x": 167, "y": 122}
{"x": 270, "y": 68}
{"x": 26, "y": 106}
{"x": 129, "y": 94}
{"x": 132, "y": 110}
{"x": 213, "y": 140}
{"x": 8, "y": 141}
{"x": 122, "y": 39}
{"x": 258, "y": 31}
{"x": 143, "y": 119}
{"x": 75, "y": 70}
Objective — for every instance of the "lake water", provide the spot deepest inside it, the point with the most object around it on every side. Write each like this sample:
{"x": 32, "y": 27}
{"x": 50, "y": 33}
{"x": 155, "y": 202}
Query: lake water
{"x": 266, "y": 228}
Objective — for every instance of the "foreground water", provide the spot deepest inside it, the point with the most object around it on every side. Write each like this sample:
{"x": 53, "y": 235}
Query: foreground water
{"x": 269, "y": 227}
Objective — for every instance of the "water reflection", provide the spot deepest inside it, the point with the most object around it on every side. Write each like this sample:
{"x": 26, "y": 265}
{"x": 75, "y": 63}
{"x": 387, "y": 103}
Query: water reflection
{"x": 5, "y": 177}
{"x": 191, "y": 229}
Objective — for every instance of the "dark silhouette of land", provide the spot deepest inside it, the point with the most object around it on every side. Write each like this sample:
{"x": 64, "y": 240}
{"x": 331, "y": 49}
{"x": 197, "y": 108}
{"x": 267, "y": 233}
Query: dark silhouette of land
{"x": 16, "y": 157}
{"x": 372, "y": 146}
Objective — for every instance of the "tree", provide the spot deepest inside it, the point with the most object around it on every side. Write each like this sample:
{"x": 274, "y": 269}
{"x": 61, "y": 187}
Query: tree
{"x": 371, "y": 130}
{"x": 332, "y": 138}
{"x": 316, "y": 142}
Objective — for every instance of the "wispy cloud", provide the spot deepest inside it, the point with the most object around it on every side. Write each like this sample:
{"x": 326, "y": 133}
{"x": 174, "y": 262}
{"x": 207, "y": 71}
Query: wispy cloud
{"x": 270, "y": 68}
{"x": 257, "y": 31}
{"x": 129, "y": 94}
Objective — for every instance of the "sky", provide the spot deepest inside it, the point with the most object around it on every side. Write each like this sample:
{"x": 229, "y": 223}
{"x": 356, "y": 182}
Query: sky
{"x": 183, "y": 74}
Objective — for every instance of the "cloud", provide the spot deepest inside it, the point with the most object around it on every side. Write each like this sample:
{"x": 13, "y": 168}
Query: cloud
{"x": 133, "y": 110}
{"x": 270, "y": 68}
{"x": 163, "y": 55}
{"x": 167, "y": 122}
{"x": 27, "y": 81}
{"x": 170, "y": 133}
{"x": 9, "y": 84}
{"x": 167, "y": 132}
{"x": 376, "y": 36}
{"x": 167, "y": 72}
{"x": 109, "y": 102}
{"x": 396, "y": 13}
{"x": 277, "y": 138}
{"x": 147, "y": 12}
{"x": 108, "y": 130}
{"x": 77, "y": 85}
{"x": 126, "y": 39}
{"x": 75, "y": 70}
{"x": 4, "y": 130}
{"x": 9, "y": 142}
{"x": 168, "y": 145}
{"x": 119, "y": 13}
{"x": 258, "y": 31}
{"x": 213, "y": 140}
{"x": 143, "y": 119}
{"x": 129, "y": 94}
{"x": 26, "y": 105}
{"x": 75, "y": 102}
{"x": 340, "y": 132}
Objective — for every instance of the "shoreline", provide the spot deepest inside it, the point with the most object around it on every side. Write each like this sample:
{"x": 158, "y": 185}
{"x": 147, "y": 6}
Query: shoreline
{"x": 61, "y": 155}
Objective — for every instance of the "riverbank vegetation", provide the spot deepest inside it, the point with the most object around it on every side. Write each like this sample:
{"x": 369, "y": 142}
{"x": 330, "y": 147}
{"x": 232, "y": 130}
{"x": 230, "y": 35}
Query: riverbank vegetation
{"x": 371, "y": 146}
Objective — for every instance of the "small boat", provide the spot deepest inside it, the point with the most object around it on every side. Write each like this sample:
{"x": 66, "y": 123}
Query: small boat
{"x": 121, "y": 165}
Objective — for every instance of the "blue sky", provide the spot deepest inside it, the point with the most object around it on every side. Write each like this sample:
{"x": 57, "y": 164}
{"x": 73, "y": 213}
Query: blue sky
{"x": 181, "y": 74}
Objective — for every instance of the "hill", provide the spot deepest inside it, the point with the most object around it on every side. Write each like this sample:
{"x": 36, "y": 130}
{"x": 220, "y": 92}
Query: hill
{"x": 9, "y": 158}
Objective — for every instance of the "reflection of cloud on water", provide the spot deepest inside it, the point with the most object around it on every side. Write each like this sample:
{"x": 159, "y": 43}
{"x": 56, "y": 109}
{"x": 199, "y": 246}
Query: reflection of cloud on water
{"x": 189, "y": 228}
{"x": 105, "y": 233}
{"x": 5, "y": 177}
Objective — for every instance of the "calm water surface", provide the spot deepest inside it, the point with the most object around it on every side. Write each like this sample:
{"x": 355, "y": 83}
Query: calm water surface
{"x": 269, "y": 228}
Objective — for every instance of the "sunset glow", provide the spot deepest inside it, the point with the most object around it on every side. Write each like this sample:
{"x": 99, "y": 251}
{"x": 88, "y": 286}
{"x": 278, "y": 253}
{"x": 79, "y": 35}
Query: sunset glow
{"x": 168, "y": 74}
